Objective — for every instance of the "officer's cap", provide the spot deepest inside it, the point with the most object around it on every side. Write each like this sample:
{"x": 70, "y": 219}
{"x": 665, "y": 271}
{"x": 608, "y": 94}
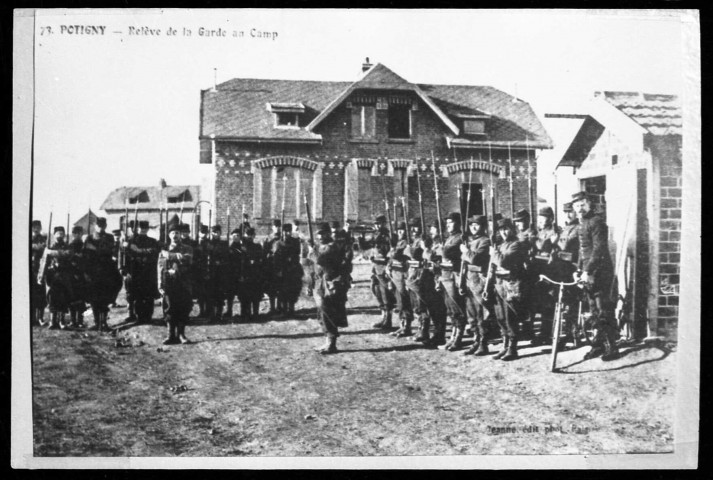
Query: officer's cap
{"x": 116, "y": 232}
{"x": 235, "y": 232}
{"x": 287, "y": 227}
{"x": 579, "y": 196}
{"x": 414, "y": 222}
{"x": 131, "y": 224}
{"x": 546, "y": 212}
{"x": 174, "y": 227}
{"x": 521, "y": 216}
{"x": 276, "y": 223}
{"x": 204, "y": 228}
{"x": 59, "y": 229}
{"x": 479, "y": 219}
{"x": 380, "y": 219}
{"x": 297, "y": 222}
{"x": 216, "y": 228}
{"x": 78, "y": 229}
{"x": 185, "y": 228}
{"x": 36, "y": 223}
{"x": 453, "y": 217}
{"x": 249, "y": 232}
{"x": 324, "y": 229}
{"x": 101, "y": 222}
{"x": 335, "y": 224}
{"x": 144, "y": 224}
{"x": 401, "y": 226}
{"x": 567, "y": 207}
{"x": 504, "y": 223}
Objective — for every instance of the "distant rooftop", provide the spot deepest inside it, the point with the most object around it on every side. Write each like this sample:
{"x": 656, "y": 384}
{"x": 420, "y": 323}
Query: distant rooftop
{"x": 658, "y": 113}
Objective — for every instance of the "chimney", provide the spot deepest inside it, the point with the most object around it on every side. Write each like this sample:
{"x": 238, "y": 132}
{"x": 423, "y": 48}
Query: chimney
{"x": 366, "y": 65}
{"x": 162, "y": 183}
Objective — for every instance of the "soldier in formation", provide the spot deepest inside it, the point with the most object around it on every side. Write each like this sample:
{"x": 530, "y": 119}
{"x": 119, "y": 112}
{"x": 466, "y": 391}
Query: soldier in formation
{"x": 174, "y": 285}
{"x": 55, "y": 271}
{"x": 567, "y": 257}
{"x": 141, "y": 259}
{"x": 77, "y": 304}
{"x": 287, "y": 271}
{"x": 398, "y": 271}
{"x": 38, "y": 298}
{"x": 250, "y": 290}
{"x": 104, "y": 279}
{"x": 448, "y": 281}
{"x": 544, "y": 263}
{"x": 381, "y": 285}
{"x": 272, "y": 268}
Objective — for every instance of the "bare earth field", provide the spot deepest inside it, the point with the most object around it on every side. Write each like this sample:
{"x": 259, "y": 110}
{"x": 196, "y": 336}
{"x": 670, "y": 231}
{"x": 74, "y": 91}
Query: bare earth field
{"x": 259, "y": 389}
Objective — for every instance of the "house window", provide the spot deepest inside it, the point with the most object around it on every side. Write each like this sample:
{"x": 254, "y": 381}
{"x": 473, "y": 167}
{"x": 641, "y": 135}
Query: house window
{"x": 287, "y": 119}
{"x": 399, "y": 121}
{"x": 363, "y": 121}
{"x": 473, "y": 127}
{"x": 183, "y": 197}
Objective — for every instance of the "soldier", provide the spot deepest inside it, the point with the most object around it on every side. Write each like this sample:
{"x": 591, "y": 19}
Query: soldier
{"x": 545, "y": 294}
{"x": 77, "y": 305}
{"x": 104, "y": 278}
{"x": 381, "y": 285}
{"x": 117, "y": 257}
{"x": 217, "y": 253}
{"x": 565, "y": 264}
{"x": 270, "y": 278}
{"x": 398, "y": 271}
{"x": 200, "y": 270}
{"x": 448, "y": 281}
{"x": 597, "y": 273}
{"x": 250, "y": 289}
{"x": 510, "y": 259}
{"x": 330, "y": 292}
{"x": 477, "y": 256}
{"x": 174, "y": 285}
{"x": 432, "y": 256}
{"x": 55, "y": 271}
{"x": 142, "y": 256}
{"x": 234, "y": 270}
{"x": 525, "y": 231}
{"x": 345, "y": 242}
{"x": 288, "y": 271}
{"x": 38, "y": 298}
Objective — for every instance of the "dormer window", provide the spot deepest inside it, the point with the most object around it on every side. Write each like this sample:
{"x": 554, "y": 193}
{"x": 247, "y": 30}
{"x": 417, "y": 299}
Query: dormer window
{"x": 184, "y": 196}
{"x": 399, "y": 121}
{"x": 474, "y": 127}
{"x": 141, "y": 197}
{"x": 287, "y": 115}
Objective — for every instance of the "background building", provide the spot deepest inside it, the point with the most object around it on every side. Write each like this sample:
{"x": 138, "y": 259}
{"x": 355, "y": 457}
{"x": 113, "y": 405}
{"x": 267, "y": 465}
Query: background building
{"x": 344, "y": 146}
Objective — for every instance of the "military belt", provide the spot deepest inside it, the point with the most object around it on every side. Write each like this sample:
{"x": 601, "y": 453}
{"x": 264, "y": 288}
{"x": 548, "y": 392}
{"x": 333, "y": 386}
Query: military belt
{"x": 475, "y": 268}
{"x": 566, "y": 256}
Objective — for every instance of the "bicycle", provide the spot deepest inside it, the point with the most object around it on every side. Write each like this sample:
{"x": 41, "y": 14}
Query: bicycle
{"x": 557, "y": 320}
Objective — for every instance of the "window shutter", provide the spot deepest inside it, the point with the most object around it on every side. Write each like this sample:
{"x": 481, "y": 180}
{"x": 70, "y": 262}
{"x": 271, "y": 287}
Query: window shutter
{"x": 351, "y": 191}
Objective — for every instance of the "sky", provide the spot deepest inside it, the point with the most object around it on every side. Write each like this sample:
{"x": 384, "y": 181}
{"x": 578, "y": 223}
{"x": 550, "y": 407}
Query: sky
{"x": 122, "y": 108}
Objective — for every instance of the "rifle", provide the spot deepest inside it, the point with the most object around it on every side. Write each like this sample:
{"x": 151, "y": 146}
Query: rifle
{"x": 228, "y": 232}
{"x": 490, "y": 277}
{"x": 529, "y": 179}
{"x": 420, "y": 203}
{"x": 282, "y": 216}
{"x": 242, "y": 225}
{"x": 438, "y": 203}
{"x": 388, "y": 213}
{"x": 49, "y": 232}
{"x": 512, "y": 197}
{"x": 466, "y": 234}
{"x": 68, "y": 222}
{"x": 309, "y": 219}
{"x": 408, "y": 235}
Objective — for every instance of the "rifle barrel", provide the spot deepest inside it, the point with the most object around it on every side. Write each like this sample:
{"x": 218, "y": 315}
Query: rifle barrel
{"x": 420, "y": 202}
{"x": 438, "y": 203}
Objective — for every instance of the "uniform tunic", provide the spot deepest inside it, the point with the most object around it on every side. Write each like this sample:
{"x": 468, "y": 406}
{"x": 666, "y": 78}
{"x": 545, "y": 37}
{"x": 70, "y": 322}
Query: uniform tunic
{"x": 380, "y": 283}
{"x": 450, "y": 269}
{"x": 270, "y": 276}
{"x": 103, "y": 276}
{"x": 174, "y": 278}
{"x": 399, "y": 266}
{"x": 56, "y": 271}
{"x": 38, "y": 298}
{"x": 77, "y": 263}
{"x": 287, "y": 269}
{"x": 250, "y": 285}
{"x": 142, "y": 257}
{"x": 234, "y": 269}
{"x": 330, "y": 287}
{"x": 477, "y": 258}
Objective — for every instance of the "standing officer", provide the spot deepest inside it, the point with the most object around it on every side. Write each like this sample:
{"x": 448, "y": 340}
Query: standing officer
{"x": 597, "y": 273}
{"x": 38, "y": 298}
{"x": 448, "y": 281}
{"x": 104, "y": 278}
{"x": 77, "y": 306}
{"x": 477, "y": 256}
{"x": 272, "y": 269}
{"x": 250, "y": 288}
{"x": 330, "y": 287}
{"x": 510, "y": 258}
{"x": 398, "y": 271}
{"x": 142, "y": 255}
{"x": 381, "y": 285}
{"x": 55, "y": 271}
{"x": 174, "y": 285}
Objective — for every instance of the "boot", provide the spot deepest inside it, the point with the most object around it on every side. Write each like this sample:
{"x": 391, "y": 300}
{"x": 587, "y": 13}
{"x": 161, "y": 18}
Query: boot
{"x": 423, "y": 334}
{"x": 171, "y": 339}
{"x": 482, "y": 343}
{"x": 182, "y": 335}
{"x": 504, "y": 350}
{"x": 330, "y": 346}
{"x": 62, "y": 324}
{"x": 452, "y": 337}
{"x": 439, "y": 336}
{"x": 597, "y": 345}
{"x": 80, "y": 320}
{"x": 405, "y": 328}
{"x": 511, "y": 353}
{"x": 385, "y": 323}
{"x": 54, "y": 323}
{"x": 457, "y": 339}
{"x": 39, "y": 316}
{"x": 476, "y": 345}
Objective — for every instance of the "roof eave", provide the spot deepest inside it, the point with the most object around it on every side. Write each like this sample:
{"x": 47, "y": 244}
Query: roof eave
{"x": 310, "y": 141}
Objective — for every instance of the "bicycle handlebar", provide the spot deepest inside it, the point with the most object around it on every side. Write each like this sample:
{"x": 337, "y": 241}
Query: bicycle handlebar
{"x": 564, "y": 284}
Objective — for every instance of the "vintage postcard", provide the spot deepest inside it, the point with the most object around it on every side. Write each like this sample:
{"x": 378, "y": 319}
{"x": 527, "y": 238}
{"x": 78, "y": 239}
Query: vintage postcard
{"x": 414, "y": 239}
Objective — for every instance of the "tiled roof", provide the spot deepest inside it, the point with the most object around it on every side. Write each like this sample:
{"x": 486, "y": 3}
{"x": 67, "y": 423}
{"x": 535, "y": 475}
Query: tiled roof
{"x": 659, "y": 114}
{"x": 237, "y": 108}
{"x": 151, "y": 197}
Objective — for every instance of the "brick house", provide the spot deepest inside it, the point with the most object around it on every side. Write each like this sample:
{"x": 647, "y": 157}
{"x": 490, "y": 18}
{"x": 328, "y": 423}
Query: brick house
{"x": 626, "y": 152}
{"x": 152, "y": 203}
{"x": 342, "y": 146}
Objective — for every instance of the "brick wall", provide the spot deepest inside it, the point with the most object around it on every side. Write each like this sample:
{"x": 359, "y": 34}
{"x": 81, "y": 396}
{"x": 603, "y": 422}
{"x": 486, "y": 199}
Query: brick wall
{"x": 667, "y": 151}
{"x": 234, "y": 180}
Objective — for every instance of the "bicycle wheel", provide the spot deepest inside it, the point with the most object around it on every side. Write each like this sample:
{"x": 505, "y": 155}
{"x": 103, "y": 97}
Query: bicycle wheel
{"x": 556, "y": 328}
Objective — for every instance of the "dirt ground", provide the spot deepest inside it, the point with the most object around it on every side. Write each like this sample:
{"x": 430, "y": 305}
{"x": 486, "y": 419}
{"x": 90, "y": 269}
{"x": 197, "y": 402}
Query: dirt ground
{"x": 259, "y": 389}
